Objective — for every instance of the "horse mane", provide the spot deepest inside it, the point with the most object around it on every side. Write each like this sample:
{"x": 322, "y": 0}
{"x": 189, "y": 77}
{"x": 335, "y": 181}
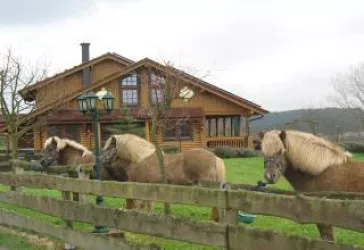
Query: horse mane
{"x": 62, "y": 143}
{"x": 306, "y": 152}
{"x": 131, "y": 147}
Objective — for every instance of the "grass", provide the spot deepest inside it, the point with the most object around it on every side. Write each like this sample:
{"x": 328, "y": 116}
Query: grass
{"x": 247, "y": 170}
{"x": 8, "y": 241}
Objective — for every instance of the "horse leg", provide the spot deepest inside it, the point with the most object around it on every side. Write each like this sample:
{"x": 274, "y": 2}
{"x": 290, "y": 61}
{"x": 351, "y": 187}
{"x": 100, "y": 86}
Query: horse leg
{"x": 326, "y": 232}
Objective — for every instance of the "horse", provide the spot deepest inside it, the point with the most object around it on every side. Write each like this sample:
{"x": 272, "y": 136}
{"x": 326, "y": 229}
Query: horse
{"x": 62, "y": 151}
{"x": 310, "y": 163}
{"x": 57, "y": 151}
{"x": 136, "y": 160}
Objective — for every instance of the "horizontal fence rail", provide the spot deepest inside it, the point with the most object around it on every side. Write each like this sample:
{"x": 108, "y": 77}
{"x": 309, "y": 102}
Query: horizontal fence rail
{"x": 206, "y": 233}
{"x": 80, "y": 239}
{"x": 302, "y": 209}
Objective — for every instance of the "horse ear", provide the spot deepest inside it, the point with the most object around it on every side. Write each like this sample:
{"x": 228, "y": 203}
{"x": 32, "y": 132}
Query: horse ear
{"x": 282, "y": 135}
{"x": 261, "y": 134}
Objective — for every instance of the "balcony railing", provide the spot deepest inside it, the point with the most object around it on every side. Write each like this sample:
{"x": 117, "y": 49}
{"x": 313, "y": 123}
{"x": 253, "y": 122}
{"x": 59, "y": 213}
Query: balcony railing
{"x": 236, "y": 142}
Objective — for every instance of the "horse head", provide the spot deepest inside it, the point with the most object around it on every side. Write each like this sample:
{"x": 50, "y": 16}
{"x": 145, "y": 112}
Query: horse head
{"x": 275, "y": 160}
{"x": 50, "y": 153}
{"x": 109, "y": 156}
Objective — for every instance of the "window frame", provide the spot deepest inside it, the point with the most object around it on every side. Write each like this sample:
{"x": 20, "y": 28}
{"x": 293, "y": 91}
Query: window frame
{"x": 128, "y": 87}
{"x": 176, "y": 137}
{"x": 213, "y": 122}
{"x": 153, "y": 87}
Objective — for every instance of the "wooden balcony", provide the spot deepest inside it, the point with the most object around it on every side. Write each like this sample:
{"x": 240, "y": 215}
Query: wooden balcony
{"x": 236, "y": 142}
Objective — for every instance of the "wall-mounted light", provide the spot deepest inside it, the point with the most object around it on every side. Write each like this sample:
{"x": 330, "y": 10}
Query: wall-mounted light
{"x": 186, "y": 93}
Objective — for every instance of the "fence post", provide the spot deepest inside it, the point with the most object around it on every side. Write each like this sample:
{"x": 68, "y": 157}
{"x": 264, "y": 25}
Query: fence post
{"x": 82, "y": 197}
{"x": 17, "y": 171}
{"x": 230, "y": 215}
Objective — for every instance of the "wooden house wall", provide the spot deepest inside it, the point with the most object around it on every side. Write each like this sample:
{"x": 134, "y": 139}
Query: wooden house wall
{"x": 211, "y": 104}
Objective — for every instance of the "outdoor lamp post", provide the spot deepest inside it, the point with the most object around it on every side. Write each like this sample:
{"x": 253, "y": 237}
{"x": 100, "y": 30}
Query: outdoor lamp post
{"x": 87, "y": 103}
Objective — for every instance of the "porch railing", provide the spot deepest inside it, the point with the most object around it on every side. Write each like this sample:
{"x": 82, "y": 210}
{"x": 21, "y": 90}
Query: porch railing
{"x": 236, "y": 142}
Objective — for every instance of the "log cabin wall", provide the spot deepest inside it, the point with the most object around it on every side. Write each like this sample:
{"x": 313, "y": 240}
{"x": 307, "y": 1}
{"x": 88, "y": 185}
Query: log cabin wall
{"x": 211, "y": 104}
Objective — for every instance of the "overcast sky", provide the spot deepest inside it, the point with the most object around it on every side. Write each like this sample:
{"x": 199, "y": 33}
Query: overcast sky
{"x": 279, "y": 54}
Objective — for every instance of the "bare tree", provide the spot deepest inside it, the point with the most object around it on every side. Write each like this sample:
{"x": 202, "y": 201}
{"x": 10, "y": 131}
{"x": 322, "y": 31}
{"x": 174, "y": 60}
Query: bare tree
{"x": 14, "y": 76}
{"x": 349, "y": 90}
{"x": 166, "y": 86}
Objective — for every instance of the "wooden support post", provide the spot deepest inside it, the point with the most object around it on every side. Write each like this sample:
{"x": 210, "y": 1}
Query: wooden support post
{"x": 83, "y": 197}
{"x": 247, "y": 126}
{"x": 203, "y": 131}
{"x": 66, "y": 195}
{"x": 147, "y": 137}
{"x": 18, "y": 171}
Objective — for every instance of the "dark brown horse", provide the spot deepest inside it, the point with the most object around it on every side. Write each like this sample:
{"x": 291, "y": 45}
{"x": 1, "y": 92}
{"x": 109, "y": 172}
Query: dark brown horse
{"x": 310, "y": 164}
{"x": 129, "y": 157}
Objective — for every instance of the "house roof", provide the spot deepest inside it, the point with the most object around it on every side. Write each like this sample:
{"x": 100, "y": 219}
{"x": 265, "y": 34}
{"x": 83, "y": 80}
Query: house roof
{"x": 130, "y": 66}
{"x": 211, "y": 88}
{"x": 26, "y": 92}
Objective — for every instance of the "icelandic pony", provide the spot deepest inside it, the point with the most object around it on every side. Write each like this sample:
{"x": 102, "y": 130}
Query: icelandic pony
{"x": 60, "y": 151}
{"x": 119, "y": 152}
{"x": 57, "y": 151}
{"x": 186, "y": 168}
{"x": 310, "y": 164}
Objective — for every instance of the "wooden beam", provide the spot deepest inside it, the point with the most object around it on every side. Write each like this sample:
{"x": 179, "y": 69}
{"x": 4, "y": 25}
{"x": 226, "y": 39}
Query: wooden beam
{"x": 82, "y": 240}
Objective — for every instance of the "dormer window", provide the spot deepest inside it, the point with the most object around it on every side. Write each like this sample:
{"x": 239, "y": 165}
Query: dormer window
{"x": 130, "y": 90}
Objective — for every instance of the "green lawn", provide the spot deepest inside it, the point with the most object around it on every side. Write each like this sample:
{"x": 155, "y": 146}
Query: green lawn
{"x": 11, "y": 242}
{"x": 249, "y": 170}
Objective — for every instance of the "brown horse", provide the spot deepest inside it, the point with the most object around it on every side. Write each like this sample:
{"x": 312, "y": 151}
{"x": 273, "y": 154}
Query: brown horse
{"x": 310, "y": 164}
{"x": 57, "y": 151}
{"x": 134, "y": 158}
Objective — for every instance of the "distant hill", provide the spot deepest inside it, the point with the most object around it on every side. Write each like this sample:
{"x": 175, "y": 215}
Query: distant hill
{"x": 327, "y": 120}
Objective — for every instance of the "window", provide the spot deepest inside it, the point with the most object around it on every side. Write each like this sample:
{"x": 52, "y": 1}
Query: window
{"x": 222, "y": 126}
{"x": 227, "y": 123}
{"x": 130, "y": 90}
{"x": 212, "y": 127}
{"x": 181, "y": 130}
{"x": 235, "y": 125}
{"x": 69, "y": 131}
{"x": 157, "y": 84}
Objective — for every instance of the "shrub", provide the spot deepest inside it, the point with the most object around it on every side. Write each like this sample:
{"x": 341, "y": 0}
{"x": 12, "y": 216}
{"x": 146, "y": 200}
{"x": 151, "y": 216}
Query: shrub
{"x": 170, "y": 149}
{"x": 245, "y": 153}
{"x": 353, "y": 147}
{"x": 229, "y": 152}
{"x": 225, "y": 152}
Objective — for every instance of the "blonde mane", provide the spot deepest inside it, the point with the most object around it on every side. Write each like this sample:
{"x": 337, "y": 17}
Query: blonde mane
{"x": 306, "y": 152}
{"x": 131, "y": 147}
{"x": 62, "y": 143}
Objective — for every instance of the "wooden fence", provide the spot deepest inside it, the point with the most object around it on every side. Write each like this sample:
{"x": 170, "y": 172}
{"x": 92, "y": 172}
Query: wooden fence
{"x": 341, "y": 212}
